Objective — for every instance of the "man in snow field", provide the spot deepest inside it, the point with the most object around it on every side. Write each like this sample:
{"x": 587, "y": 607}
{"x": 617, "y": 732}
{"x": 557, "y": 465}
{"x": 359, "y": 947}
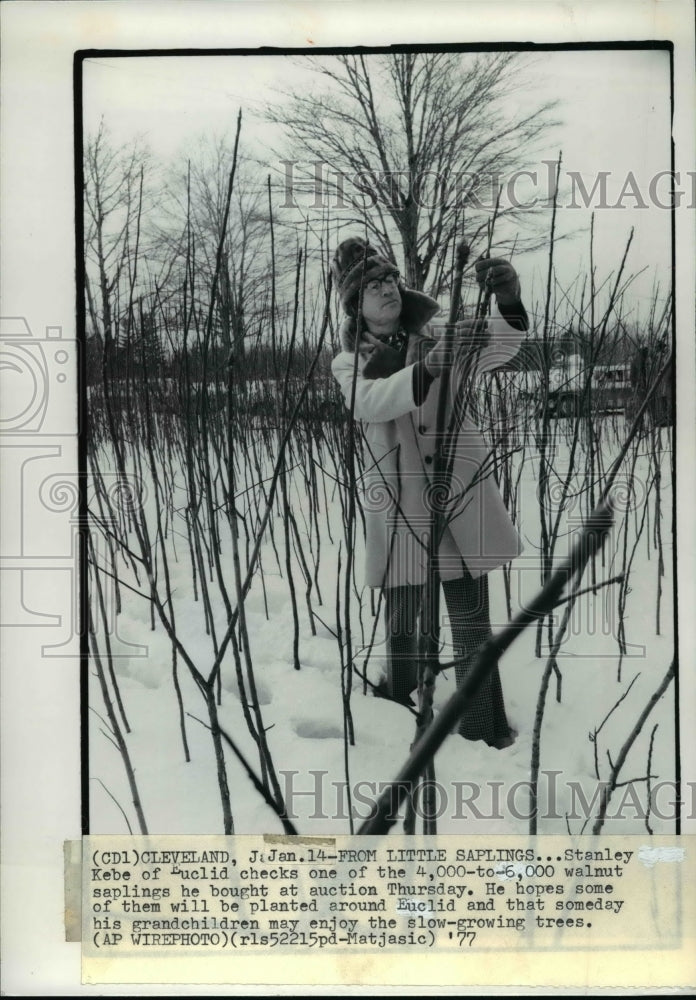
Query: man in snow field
{"x": 397, "y": 379}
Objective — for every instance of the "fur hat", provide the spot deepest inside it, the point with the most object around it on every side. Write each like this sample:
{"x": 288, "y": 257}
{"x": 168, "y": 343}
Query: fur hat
{"x": 354, "y": 264}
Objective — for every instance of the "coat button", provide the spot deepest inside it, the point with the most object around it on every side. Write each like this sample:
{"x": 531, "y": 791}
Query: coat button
{"x": 422, "y": 429}
{"x": 428, "y": 459}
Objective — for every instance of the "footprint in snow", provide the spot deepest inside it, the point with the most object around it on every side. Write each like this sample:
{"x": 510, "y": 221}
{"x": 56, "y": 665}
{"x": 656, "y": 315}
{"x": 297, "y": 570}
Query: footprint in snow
{"x": 263, "y": 692}
{"x": 315, "y": 729}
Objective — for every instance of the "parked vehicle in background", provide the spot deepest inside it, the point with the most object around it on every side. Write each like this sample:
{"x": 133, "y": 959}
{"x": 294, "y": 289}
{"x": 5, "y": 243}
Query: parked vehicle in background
{"x": 610, "y": 388}
{"x": 645, "y": 366}
{"x": 614, "y": 388}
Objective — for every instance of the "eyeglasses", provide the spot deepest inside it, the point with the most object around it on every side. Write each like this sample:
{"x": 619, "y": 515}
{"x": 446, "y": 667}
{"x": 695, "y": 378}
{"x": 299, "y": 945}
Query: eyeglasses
{"x": 375, "y": 284}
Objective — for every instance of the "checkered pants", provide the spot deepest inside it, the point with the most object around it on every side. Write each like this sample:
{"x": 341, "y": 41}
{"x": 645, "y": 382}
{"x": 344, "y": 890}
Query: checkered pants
{"x": 469, "y": 615}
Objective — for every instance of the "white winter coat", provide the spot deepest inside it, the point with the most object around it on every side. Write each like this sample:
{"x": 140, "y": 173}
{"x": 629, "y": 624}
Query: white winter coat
{"x": 399, "y": 440}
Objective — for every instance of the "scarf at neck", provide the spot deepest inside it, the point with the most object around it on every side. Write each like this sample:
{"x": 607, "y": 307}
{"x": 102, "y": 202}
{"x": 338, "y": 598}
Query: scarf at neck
{"x": 397, "y": 340}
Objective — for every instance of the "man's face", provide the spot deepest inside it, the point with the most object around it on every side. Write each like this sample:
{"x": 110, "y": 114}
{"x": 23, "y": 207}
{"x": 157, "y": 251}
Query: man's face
{"x": 381, "y": 302}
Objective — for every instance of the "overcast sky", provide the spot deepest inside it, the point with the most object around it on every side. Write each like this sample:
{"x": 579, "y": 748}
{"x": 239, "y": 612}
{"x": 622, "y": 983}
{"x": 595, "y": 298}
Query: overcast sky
{"x": 614, "y": 108}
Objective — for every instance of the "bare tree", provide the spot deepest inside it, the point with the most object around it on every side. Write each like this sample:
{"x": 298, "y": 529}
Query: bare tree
{"x": 113, "y": 182}
{"x": 402, "y": 144}
{"x": 195, "y": 200}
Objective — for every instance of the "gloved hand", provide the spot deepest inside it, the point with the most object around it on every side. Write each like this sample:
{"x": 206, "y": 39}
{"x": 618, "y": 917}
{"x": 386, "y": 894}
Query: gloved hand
{"x": 382, "y": 360}
{"x": 500, "y": 277}
{"x": 469, "y": 333}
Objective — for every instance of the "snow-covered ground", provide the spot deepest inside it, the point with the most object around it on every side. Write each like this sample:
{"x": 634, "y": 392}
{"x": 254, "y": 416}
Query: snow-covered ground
{"x": 480, "y": 789}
